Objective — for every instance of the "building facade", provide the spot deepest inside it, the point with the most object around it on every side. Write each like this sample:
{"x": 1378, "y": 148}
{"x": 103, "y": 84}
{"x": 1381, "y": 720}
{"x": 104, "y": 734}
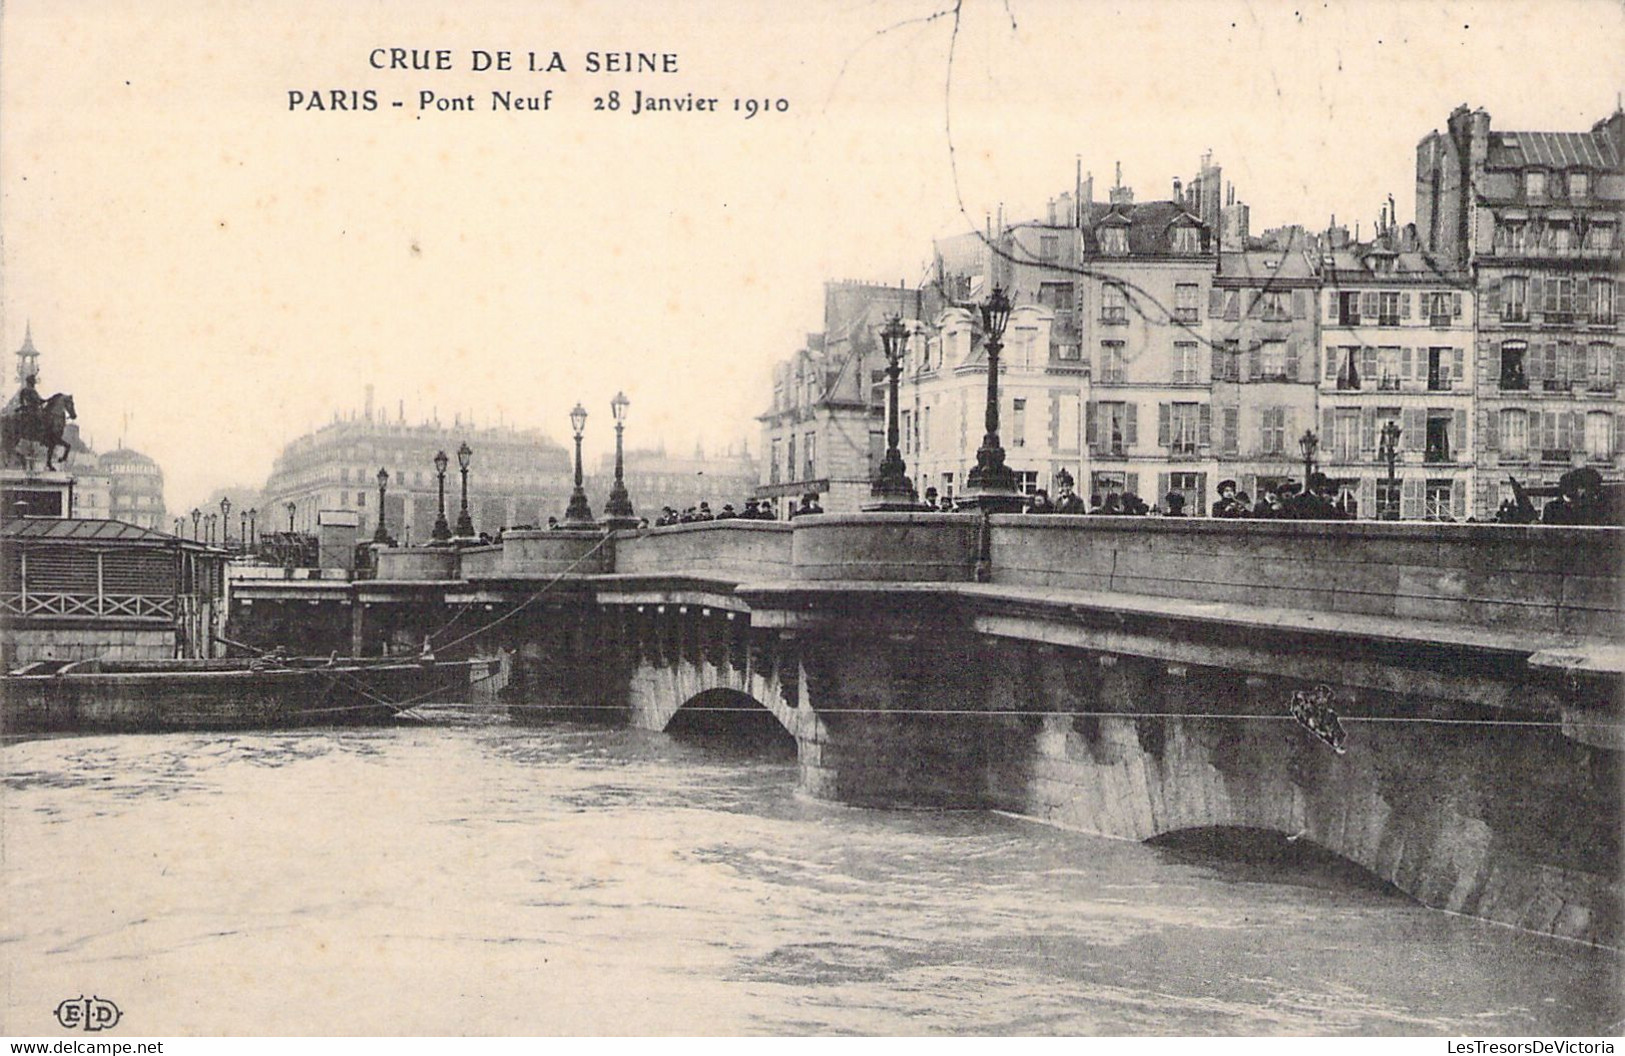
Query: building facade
{"x": 1534, "y": 219}
{"x": 516, "y": 477}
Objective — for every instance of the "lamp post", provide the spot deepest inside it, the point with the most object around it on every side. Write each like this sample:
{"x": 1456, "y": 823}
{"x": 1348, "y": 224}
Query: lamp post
{"x": 891, "y": 489}
{"x": 618, "y": 510}
{"x": 196, "y": 515}
{"x": 465, "y": 523}
{"x": 291, "y": 507}
{"x": 253, "y": 526}
{"x": 1308, "y": 443}
{"x": 225, "y": 521}
{"x": 990, "y": 485}
{"x": 1388, "y": 451}
{"x": 242, "y": 527}
{"x": 379, "y": 534}
{"x": 578, "y": 514}
{"x": 442, "y": 530}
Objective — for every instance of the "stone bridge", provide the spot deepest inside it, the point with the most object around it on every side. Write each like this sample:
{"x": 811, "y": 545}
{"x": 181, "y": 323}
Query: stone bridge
{"x": 1127, "y": 677}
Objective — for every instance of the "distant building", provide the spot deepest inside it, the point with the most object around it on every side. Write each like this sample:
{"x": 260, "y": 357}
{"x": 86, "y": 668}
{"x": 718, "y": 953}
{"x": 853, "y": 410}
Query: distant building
{"x": 1534, "y": 219}
{"x": 135, "y": 488}
{"x": 515, "y": 476}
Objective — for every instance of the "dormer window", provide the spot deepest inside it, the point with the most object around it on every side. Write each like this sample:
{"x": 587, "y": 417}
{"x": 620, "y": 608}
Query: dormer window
{"x": 1534, "y": 184}
{"x": 1579, "y": 186}
{"x": 1113, "y": 240}
{"x": 1186, "y": 240}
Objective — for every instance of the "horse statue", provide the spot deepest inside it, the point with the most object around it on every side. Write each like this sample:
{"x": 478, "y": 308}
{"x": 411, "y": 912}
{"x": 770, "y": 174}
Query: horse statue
{"x": 44, "y": 425}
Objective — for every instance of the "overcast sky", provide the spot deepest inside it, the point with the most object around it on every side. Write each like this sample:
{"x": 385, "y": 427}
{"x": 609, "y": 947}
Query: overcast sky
{"x": 228, "y": 272}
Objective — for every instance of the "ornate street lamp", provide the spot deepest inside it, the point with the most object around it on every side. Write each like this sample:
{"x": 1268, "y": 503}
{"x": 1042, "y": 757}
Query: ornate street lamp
{"x": 242, "y": 527}
{"x": 1308, "y": 443}
{"x": 990, "y": 485}
{"x": 891, "y": 488}
{"x": 253, "y": 526}
{"x": 578, "y": 514}
{"x": 442, "y": 530}
{"x": 379, "y": 534}
{"x": 465, "y": 523}
{"x": 196, "y": 514}
{"x": 618, "y": 510}
{"x": 291, "y": 507}
{"x": 225, "y": 521}
{"x": 1388, "y": 451}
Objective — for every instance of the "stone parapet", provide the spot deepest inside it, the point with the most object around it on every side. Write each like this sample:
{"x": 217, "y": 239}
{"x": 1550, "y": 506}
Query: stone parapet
{"x": 897, "y": 547}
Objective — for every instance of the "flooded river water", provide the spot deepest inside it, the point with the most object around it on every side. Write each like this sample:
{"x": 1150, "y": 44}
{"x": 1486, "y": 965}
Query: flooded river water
{"x": 490, "y": 879}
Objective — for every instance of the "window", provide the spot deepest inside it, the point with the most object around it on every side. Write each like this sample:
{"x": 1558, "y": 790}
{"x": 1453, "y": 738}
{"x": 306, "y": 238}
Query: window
{"x": 1515, "y": 299}
{"x": 1558, "y": 237}
{"x": 1185, "y": 361}
{"x": 1232, "y": 305}
{"x": 1187, "y": 302}
{"x": 790, "y": 462}
{"x": 1186, "y": 240}
{"x": 1111, "y": 362}
{"x": 360, "y": 498}
{"x": 1346, "y": 434}
{"x": 1113, "y": 304}
{"x": 1193, "y": 488}
{"x": 1227, "y": 361}
{"x": 1275, "y": 306}
{"x": 1113, "y": 427}
{"x": 1018, "y": 423}
{"x": 905, "y": 425}
{"x": 1534, "y": 184}
{"x": 925, "y": 432}
{"x": 1230, "y": 430}
{"x": 1113, "y": 240}
{"x": 1579, "y": 186}
{"x": 1556, "y": 360}
{"x": 1348, "y": 370}
{"x": 1272, "y": 359}
{"x": 1348, "y": 308}
{"x": 1602, "y": 301}
{"x": 1600, "y": 235}
{"x": 1441, "y": 308}
{"x": 1599, "y": 436}
{"x": 1600, "y": 367}
{"x": 1388, "y": 370}
{"x": 810, "y": 446}
{"x": 1049, "y": 248}
{"x": 1183, "y": 425}
{"x": 1272, "y": 436}
{"x": 1514, "y": 433}
{"x": 1436, "y": 500}
{"x": 1388, "y": 310}
{"x": 1442, "y": 364}
{"x": 1388, "y": 500}
{"x": 1512, "y": 236}
{"x": 1057, "y": 296}
{"x": 1438, "y": 436}
{"x": 1559, "y": 297}
{"x": 1512, "y": 365}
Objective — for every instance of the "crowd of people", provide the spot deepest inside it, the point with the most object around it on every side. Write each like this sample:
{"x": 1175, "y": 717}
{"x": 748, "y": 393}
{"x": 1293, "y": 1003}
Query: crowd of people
{"x": 1287, "y": 500}
{"x": 1580, "y": 500}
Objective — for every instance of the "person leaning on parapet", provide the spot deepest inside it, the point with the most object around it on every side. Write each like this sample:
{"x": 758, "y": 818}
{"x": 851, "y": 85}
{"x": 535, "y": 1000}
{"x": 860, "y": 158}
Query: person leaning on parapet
{"x": 1230, "y": 503}
{"x": 1039, "y": 502}
{"x": 1066, "y": 500}
{"x": 1579, "y": 500}
{"x": 1173, "y": 504}
{"x": 1315, "y": 504}
{"x": 809, "y": 505}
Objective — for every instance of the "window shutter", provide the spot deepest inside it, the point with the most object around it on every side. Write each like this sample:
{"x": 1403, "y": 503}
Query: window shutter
{"x": 1492, "y": 298}
{"x": 1131, "y": 425}
{"x": 1489, "y": 434}
{"x": 1368, "y": 430}
{"x": 1407, "y": 363}
{"x": 1231, "y": 430}
{"x": 1495, "y": 364}
{"x": 1249, "y": 484}
{"x": 1331, "y": 306}
{"x": 1619, "y": 434}
{"x": 1537, "y": 432}
{"x": 1534, "y": 363}
{"x": 1455, "y": 306}
{"x": 1563, "y": 431}
{"x": 1204, "y": 425}
{"x": 1091, "y": 423}
{"x": 1458, "y": 500}
{"x": 1131, "y": 483}
{"x": 1331, "y": 363}
{"x": 1328, "y": 427}
{"x": 1215, "y": 301}
{"x": 1405, "y": 305}
{"x": 1253, "y": 369}
{"x": 1163, "y": 411}
{"x": 1416, "y": 427}
{"x": 1458, "y": 437}
{"x": 1370, "y": 306}
{"x": 1410, "y": 499}
{"x": 1619, "y": 366}
{"x": 1368, "y": 366}
{"x": 1368, "y": 497}
{"x": 1299, "y": 305}
{"x": 1292, "y": 357}
{"x": 1162, "y": 489}
{"x": 1460, "y": 368}
{"x": 1055, "y": 421}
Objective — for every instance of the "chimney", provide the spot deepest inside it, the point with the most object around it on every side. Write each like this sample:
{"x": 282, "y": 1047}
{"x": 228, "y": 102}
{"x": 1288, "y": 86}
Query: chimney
{"x": 1179, "y": 192}
{"x": 369, "y": 403}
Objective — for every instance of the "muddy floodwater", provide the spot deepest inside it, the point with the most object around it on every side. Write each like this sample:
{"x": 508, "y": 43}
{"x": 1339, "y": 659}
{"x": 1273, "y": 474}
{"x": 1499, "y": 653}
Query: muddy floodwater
{"x": 492, "y": 879}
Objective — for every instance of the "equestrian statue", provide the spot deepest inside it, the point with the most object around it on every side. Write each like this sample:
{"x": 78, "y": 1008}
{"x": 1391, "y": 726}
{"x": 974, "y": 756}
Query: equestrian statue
{"x": 43, "y": 421}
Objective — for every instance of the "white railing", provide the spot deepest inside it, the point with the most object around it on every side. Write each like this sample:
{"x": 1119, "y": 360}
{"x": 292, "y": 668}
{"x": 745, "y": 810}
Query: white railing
{"x": 89, "y": 606}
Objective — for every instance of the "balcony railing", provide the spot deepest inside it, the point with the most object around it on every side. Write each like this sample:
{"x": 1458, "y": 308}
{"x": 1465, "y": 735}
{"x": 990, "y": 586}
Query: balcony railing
{"x": 89, "y": 606}
{"x": 1441, "y": 384}
{"x": 1557, "y": 385}
{"x": 1514, "y": 383}
{"x": 1556, "y": 454}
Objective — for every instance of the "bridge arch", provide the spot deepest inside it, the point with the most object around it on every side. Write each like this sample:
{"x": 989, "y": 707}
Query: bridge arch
{"x": 656, "y": 692}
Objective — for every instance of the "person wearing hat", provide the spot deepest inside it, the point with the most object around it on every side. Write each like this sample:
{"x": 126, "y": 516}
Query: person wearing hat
{"x": 1229, "y": 505}
{"x": 1067, "y": 500}
{"x": 1579, "y": 499}
{"x": 1173, "y": 504}
{"x": 1039, "y": 503}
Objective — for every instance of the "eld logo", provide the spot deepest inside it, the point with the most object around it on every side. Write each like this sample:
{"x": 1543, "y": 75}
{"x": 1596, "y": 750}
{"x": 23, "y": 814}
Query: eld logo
{"x": 87, "y": 1013}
